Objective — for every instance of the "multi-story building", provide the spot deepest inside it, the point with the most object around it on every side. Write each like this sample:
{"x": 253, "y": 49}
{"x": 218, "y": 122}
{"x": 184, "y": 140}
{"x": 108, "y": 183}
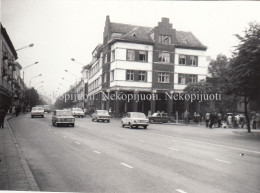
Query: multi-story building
{"x": 11, "y": 85}
{"x": 143, "y": 65}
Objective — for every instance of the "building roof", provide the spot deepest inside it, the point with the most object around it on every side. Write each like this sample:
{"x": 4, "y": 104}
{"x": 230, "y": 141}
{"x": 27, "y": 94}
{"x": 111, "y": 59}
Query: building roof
{"x": 142, "y": 33}
{"x": 8, "y": 40}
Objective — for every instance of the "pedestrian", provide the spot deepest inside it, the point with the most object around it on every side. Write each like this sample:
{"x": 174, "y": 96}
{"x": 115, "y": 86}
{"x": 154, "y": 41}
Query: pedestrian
{"x": 17, "y": 110}
{"x": 219, "y": 120}
{"x": 254, "y": 122}
{"x": 212, "y": 119}
{"x": 186, "y": 117}
{"x": 229, "y": 121}
{"x": 2, "y": 117}
{"x": 207, "y": 118}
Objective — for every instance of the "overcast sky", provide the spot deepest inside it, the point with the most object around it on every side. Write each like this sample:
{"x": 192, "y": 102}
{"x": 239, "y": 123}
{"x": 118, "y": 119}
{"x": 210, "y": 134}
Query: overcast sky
{"x": 65, "y": 29}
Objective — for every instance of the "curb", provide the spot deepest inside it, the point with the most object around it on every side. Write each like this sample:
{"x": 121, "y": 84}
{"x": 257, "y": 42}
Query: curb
{"x": 28, "y": 173}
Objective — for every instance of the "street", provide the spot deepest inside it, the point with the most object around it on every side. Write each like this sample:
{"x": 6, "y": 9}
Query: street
{"x": 104, "y": 157}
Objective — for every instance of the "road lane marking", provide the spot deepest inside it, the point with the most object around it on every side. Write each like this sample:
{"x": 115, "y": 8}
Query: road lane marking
{"x": 141, "y": 141}
{"x": 223, "y": 161}
{"x": 173, "y": 149}
{"x": 180, "y": 190}
{"x": 127, "y": 165}
{"x": 96, "y": 151}
{"x": 77, "y": 143}
{"x": 203, "y": 142}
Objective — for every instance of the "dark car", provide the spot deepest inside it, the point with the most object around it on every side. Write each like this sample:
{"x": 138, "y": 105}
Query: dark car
{"x": 63, "y": 117}
{"x": 160, "y": 118}
{"x": 101, "y": 115}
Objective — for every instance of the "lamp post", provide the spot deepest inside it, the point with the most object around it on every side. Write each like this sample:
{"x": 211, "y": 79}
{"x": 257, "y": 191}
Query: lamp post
{"x": 38, "y": 83}
{"x": 28, "y": 67}
{"x": 33, "y": 78}
{"x": 30, "y": 45}
{"x": 72, "y": 75}
{"x": 72, "y": 59}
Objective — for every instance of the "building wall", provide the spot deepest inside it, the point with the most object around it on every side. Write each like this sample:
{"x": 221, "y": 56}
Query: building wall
{"x": 120, "y": 66}
{"x": 200, "y": 70}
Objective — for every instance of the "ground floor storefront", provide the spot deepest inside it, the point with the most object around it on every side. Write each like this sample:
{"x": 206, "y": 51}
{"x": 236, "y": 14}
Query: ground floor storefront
{"x": 119, "y": 102}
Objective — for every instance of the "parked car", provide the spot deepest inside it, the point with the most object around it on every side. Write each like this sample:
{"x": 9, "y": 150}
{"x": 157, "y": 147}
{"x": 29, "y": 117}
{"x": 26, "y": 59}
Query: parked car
{"x": 160, "y": 117}
{"x": 37, "y": 112}
{"x": 135, "y": 119}
{"x": 63, "y": 117}
{"x": 102, "y": 115}
{"x": 78, "y": 112}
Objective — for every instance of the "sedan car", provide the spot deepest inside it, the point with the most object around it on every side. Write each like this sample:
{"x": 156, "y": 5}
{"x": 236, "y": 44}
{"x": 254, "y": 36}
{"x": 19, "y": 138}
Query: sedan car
{"x": 135, "y": 119}
{"x": 37, "y": 112}
{"x": 159, "y": 117}
{"x": 63, "y": 117}
{"x": 101, "y": 115}
{"x": 78, "y": 112}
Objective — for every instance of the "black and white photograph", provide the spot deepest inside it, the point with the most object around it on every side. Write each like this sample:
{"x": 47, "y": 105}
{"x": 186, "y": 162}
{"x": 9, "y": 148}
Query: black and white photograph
{"x": 127, "y": 96}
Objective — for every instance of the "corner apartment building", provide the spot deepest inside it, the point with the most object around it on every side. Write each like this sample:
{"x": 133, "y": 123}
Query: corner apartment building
{"x": 144, "y": 62}
{"x": 11, "y": 84}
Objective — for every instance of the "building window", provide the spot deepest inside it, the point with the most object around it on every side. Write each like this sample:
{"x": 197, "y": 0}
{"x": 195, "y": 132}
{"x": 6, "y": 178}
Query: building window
{"x": 105, "y": 58}
{"x": 129, "y": 75}
{"x": 142, "y": 76}
{"x": 164, "y": 39}
{"x": 112, "y": 75}
{"x": 130, "y": 55}
{"x": 181, "y": 79}
{"x": 182, "y": 60}
{"x": 193, "y": 60}
{"x": 113, "y": 56}
{"x": 105, "y": 77}
{"x": 163, "y": 77}
{"x": 193, "y": 78}
{"x": 164, "y": 57}
{"x": 142, "y": 56}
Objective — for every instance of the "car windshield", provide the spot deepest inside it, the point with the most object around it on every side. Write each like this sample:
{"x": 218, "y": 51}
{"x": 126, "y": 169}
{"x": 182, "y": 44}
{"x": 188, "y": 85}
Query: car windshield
{"x": 102, "y": 112}
{"x": 37, "y": 108}
{"x": 138, "y": 115}
{"x": 77, "y": 109}
{"x": 63, "y": 113}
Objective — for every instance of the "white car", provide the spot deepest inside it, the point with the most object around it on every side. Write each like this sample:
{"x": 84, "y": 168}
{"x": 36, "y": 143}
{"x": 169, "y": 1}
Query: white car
{"x": 78, "y": 112}
{"x": 135, "y": 119}
{"x": 37, "y": 112}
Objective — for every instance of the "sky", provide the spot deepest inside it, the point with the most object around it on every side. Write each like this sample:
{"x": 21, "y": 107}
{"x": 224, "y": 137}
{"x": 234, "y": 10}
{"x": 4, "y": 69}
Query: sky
{"x": 65, "y": 29}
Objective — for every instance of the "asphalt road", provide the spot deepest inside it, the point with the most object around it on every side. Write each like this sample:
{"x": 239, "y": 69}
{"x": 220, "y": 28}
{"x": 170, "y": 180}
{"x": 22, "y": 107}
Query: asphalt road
{"x": 104, "y": 157}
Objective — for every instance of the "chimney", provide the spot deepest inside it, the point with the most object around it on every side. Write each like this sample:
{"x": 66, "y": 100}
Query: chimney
{"x": 107, "y": 18}
{"x": 165, "y": 20}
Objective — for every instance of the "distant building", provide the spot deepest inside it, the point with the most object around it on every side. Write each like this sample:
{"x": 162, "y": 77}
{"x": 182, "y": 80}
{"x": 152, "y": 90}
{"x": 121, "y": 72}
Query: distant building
{"x": 144, "y": 62}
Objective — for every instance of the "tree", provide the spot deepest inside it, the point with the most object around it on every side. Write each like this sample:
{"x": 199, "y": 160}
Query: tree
{"x": 219, "y": 66}
{"x": 245, "y": 67}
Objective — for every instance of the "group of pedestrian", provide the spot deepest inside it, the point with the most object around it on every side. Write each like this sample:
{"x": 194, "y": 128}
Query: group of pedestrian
{"x": 213, "y": 119}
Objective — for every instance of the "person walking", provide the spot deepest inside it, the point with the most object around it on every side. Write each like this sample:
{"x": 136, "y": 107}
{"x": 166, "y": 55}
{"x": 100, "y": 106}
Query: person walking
{"x": 207, "y": 118}
{"x": 2, "y": 117}
{"x": 219, "y": 120}
{"x": 186, "y": 117}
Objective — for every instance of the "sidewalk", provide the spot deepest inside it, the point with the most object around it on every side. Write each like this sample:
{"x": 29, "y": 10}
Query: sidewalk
{"x": 15, "y": 173}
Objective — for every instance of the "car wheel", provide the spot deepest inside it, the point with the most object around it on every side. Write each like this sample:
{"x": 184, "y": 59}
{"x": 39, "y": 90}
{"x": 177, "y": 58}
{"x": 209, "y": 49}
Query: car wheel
{"x": 72, "y": 124}
{"x": 131, "y": 126}
{"x": 53, "y": 124}
{"x": 123, "y": 125}
{"x": 93, "y": 120}
{"x": 43, "y": 116}
{"x": 145, "y": 127}
{"x": 31, "y": 116}
{"x": 108, "y": 121}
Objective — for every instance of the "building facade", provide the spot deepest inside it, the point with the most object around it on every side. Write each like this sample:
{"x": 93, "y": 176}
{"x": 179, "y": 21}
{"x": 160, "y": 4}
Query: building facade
{"x": 137, "y": 67}
{"x": 11, "y": 84}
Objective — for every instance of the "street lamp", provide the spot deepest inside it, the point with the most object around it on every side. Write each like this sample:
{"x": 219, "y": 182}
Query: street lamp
{"x": 30, "y": 45}
{"x": 28, "y": 67}
{"x": 72, "y": 75}
{"x": 33, "y": 78}
{"x": 38, "y": 83}
{"x": 72, "y": 59}
{"x": 65, "y": 80}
